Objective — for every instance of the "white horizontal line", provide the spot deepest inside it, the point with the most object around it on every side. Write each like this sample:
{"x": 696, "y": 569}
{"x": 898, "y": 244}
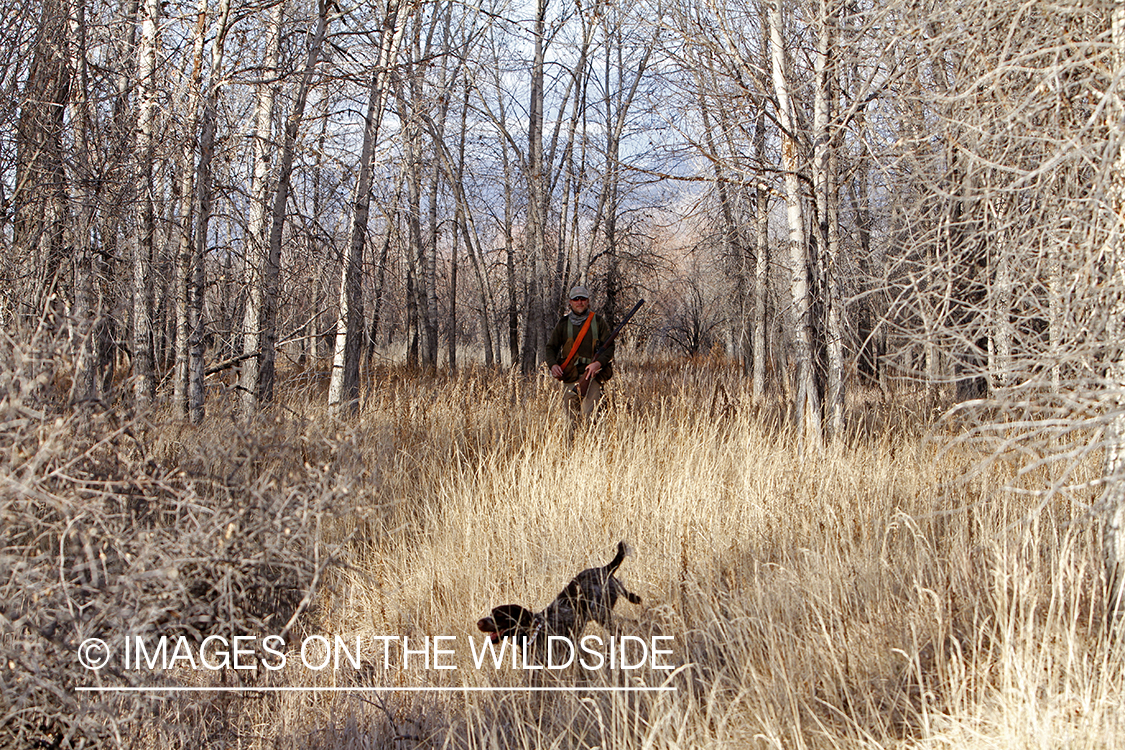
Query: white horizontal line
{"x": 284, "y": 689}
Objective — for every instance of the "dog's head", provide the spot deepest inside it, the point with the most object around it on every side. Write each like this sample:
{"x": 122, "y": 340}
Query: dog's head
{"x": 509, "y": 621}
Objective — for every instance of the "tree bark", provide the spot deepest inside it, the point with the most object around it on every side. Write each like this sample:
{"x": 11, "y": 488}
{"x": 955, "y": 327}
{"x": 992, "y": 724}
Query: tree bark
{"x": 203, "y": 201}
{"x": 257, "y": 241}
{"x": 381, "y": 273}
{"x": 808, "y": 400}
{"x": 536, "y": 193}
{"x": 40, "y": 195}
{"x": 261, "y": 330}
{"x": 460, "y": 227}
{"x": 343, "y": 387}
{"x": 143, "y": 375}
{"x": 824, "y": 180}
{"x": 415, "y": 291}
{"x": 425, "y": 248}
{"x": 509, "y": 249}
{"x": 84, "y": 388}
{"x": 183, "y": 275}
{"x": 762, "y": 264}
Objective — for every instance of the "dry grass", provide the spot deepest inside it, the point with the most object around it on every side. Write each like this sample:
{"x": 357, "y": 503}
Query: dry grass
{"x": 866, "y": 596}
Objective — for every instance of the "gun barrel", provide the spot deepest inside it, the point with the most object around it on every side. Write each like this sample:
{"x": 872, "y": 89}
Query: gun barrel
{"x": 628, "y": 316}
{"x": 584, "y": 381}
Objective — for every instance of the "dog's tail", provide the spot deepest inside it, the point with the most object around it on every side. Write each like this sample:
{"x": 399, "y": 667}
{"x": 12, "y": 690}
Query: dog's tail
{"x": 615, "y": 563}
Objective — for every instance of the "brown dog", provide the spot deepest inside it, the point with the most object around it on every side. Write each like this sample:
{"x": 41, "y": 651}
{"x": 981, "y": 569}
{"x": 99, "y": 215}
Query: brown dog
{"x": 589, "y": 596}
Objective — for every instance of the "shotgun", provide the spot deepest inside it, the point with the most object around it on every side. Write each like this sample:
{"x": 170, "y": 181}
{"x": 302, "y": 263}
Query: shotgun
{"x": 584, "y": 382}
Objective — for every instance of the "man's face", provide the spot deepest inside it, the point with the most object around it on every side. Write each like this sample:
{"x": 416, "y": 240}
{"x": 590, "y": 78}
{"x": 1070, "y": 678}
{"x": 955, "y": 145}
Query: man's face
{"x": 579, "y": 305}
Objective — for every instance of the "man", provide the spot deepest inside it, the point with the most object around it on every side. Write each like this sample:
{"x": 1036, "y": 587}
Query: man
{"x": 570, "y": 354}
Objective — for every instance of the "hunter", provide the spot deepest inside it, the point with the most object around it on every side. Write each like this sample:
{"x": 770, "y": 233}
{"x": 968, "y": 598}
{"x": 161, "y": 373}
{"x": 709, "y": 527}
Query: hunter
{"x": 570, "y": 355}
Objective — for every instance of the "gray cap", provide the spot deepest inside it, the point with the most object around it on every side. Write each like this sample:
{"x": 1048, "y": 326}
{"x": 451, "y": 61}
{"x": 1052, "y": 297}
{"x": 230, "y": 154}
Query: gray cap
{"x": 579, "y": 292}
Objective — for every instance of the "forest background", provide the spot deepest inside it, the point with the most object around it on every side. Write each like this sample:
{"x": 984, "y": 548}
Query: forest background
{"x": 276, "y": 281}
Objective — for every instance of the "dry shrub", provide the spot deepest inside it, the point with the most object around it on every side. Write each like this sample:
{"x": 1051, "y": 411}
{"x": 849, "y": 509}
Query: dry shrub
{"x": 110, "y": 532}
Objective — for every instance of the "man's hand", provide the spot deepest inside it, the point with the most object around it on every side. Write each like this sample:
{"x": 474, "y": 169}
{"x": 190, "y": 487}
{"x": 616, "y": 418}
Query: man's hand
{"x": 593, "y": 369}
{"x": 557, "y": 372}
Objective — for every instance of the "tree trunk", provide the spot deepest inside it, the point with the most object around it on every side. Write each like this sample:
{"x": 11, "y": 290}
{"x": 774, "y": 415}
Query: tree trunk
{"x": 182, "y": 278}
{"x": 762, "y": 265}
{"x": 536, "y": 196}
{"x": 40, "y": 196}
{"x": 203, "y": 218}
{"x": 510, "y": 254}
{"x": 416, "y": 295}
{"x": 343, "y": 387}
{"x": 460, "y": 227}
{"x": 427, "y": 258}
{"x": 84, "y": 388}
{"x": 425, "y": 249}
{"x": 262, "y": 329}
{"x": 257, "y": 241}
{"x": 808, "y": 400}
{"x": 143, "y": 377}
{"x": 380, "y": 281}
{"x": 824, "y": 179}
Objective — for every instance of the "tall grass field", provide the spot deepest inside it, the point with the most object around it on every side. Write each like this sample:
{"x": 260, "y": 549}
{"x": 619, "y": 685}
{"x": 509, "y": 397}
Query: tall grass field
{"x": 892, "y": 589}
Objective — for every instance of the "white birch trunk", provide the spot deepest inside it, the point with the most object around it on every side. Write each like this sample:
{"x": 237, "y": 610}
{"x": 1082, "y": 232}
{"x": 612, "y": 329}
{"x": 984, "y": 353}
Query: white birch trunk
{"x": 808, "y": 400}
{"x": 257, "y": 240}
{"x": 143, "y": 378}
{"x": 184, "y": 255}
{"x": 761, "y": 244}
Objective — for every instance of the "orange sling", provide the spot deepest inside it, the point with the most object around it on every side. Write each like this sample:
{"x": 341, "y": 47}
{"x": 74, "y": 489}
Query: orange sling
{"x": 578, "y": 339}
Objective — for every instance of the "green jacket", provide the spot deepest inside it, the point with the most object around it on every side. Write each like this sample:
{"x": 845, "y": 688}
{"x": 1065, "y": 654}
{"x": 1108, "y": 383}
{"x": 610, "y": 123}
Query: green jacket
{"x": 562, "y": 337}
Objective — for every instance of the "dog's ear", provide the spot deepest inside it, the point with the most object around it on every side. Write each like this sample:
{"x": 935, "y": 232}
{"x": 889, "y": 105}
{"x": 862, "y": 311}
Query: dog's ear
{"x": 508, "y": 617}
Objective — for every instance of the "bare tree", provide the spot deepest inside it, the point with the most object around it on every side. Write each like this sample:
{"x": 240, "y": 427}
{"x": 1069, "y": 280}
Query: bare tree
{"x": 260, "y": 339}
{"x": 825, "y": 184}
{"x": 618, "y": 99}
{"x": 801, "y": 323}
{"x": 535, "y": 172}
{"x": 183, "y": 276}
{"x": 143, "y": 242}
{"x": 203, "y": 206}
{"x": 257, "y": 239}
{"x": 343, "y": 389}
{"x": 40, "y": 194}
